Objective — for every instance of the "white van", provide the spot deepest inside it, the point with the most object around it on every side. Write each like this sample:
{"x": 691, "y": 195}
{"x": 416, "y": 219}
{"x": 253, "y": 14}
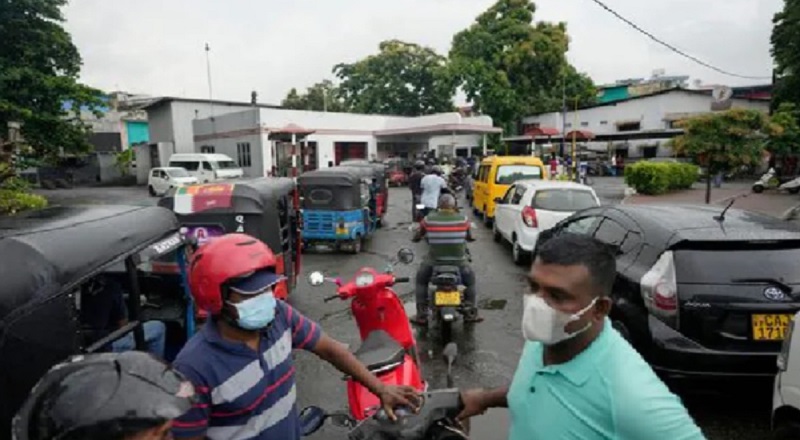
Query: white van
{"x": 207, "y": 167}
{"x": 786, "y": 394}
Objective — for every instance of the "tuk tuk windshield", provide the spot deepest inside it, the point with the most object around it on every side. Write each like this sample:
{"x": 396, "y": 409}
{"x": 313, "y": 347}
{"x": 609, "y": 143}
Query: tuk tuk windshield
{"x": 325, "y": 197}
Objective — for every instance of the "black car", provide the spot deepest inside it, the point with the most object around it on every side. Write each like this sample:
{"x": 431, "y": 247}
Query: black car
{"x": 697, "y": 293}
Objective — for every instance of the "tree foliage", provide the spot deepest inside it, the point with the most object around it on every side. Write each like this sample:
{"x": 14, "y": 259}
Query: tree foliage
{"x": 401, "y": 79}
{"x": 322, "y": 96}
{"x": 510, "y": 67}
{"x": 786, "y": 52}
{"x": 787, "y": 141}
{"x": 723, "y": 141}
{"x": 39, "y": 67}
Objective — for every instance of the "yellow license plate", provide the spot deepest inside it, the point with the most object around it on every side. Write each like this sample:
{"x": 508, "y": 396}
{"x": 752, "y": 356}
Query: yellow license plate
{"x": 341, "y": 231}
{"x": 447, "y": 298}
{"x": 770, "y": 327}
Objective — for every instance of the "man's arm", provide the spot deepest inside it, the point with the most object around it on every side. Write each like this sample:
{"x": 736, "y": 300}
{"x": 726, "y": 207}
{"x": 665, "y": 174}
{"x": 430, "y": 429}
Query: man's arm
{"x": 193, "y": 424}
{"x": 479, "y": 400}
{"x": 420, "y": 232}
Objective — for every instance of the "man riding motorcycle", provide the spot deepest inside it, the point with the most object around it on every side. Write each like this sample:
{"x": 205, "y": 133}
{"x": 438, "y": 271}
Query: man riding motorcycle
{"x": 447, "y": 232}
{"x": 414, "y": 184}
{"x": 109, "y": 396}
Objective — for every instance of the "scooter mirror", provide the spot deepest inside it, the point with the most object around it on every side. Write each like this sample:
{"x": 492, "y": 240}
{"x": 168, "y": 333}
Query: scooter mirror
{"x": 405, "y": 255}
{"x": 311, "y": 419}
{"x": 316, "y": 278}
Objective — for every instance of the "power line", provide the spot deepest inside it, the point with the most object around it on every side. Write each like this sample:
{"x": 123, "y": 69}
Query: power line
{"x": 673, "y": 48}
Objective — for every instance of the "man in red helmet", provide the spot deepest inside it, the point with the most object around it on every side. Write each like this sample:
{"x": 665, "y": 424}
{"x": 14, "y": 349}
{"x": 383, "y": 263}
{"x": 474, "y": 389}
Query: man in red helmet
{"x": 240, "y": 362}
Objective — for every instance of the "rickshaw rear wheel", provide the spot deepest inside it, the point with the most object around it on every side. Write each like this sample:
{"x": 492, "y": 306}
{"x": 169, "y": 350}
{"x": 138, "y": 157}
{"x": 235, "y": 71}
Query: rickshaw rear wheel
{"x": 357, "y": 245}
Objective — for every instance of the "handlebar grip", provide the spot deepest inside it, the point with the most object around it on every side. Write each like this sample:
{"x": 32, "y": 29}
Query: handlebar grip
{"x": 402, "y": 280}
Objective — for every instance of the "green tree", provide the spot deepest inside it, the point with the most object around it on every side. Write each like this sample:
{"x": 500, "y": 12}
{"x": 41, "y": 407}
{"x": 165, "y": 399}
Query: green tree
{"x": 786, "y": 52}
{"x": 726, "y": 140}
{"x": 39, "y": 67}
{"x": 322, "y": 96}
{"x": 401, "y": 79}
{"x": 787, "y": 141}
{"x": 510, "y": 67}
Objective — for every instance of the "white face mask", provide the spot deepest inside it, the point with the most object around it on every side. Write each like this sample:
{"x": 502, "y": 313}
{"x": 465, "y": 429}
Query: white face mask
{"x": 544, "y": 324}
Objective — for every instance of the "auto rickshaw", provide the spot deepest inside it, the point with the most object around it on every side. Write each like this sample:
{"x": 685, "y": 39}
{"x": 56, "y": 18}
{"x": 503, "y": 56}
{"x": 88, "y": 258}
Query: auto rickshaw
{"x": 336, "y": 211}
{"x": 380, "y": 175}
{"x": 396, "y": 172}
{"x": 264, "y": 208}
{"x": 49, "y": 256}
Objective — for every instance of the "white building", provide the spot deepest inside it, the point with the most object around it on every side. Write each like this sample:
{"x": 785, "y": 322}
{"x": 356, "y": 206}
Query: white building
{"x": 260, "y": 138}
{"x": 636, "y": 127}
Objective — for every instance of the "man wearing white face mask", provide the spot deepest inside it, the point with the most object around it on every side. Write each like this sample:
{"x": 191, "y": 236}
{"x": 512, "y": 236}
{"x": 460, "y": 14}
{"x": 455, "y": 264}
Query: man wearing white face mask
{"x": 577, "y": 377}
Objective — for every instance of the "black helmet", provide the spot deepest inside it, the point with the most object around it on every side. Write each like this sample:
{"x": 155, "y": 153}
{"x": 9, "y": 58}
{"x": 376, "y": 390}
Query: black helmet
{"x": 419, "y": 165}
{"x": 108, "y": 396}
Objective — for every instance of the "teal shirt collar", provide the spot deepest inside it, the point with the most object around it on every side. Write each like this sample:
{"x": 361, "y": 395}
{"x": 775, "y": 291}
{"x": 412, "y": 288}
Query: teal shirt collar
{"x": 578, "y": 369}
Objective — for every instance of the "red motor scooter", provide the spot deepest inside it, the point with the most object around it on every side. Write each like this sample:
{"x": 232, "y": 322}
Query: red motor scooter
{"x": 388, "y": 347}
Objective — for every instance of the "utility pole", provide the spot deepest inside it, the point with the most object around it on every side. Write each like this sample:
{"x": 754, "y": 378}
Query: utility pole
{"x": 574, "y": 141}
{"x": 208, "y": 72}
{"x": 563, "y": 113}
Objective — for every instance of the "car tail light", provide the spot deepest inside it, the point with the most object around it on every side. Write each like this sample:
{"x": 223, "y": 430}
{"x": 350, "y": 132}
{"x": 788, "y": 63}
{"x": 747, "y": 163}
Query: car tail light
{"x": 783, "y": 356}
{"x": 660, "y": 288}
{"x": 529, "y": 217}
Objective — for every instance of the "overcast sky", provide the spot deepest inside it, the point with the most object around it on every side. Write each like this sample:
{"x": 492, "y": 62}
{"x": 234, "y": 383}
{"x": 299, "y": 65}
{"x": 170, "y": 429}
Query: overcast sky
{"x": 156, "y": 47}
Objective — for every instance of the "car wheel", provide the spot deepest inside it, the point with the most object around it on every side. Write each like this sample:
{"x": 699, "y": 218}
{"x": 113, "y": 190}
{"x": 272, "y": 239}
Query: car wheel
{"x": 758, "y": 189}
{"x": 152, "y": 191}
{"x": 496, "y": 234}
{"x": 485, "y": 217}
{"x": 517, "y": 254}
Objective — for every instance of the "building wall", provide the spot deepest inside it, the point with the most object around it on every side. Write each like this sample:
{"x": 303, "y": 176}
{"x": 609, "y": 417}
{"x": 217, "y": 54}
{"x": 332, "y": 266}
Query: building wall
{"x": 447, "y": 145}
{"x": 650, "y": 112}
{"x": 159, "y": 121}
{"x": 171, "y": 121}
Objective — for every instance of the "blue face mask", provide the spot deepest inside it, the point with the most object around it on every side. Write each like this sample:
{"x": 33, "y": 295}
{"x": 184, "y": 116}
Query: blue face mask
{"x": 257, "y": 312}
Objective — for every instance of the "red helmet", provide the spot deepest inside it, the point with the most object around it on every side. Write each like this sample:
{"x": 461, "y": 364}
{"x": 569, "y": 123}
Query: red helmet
{"x": 222, "y": 259}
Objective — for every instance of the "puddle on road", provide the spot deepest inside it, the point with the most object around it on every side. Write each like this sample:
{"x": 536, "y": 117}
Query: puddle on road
{"x": 492, "y": 304}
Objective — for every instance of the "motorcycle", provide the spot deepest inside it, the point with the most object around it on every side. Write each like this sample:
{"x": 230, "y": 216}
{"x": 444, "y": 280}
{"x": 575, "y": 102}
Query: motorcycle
{"x": 388, "y": 347}
{"x": 447, "y": 291}
{"x": 792, "y": 186}
{"x": 435, "y": 419}
{"x": 766, "y": 181}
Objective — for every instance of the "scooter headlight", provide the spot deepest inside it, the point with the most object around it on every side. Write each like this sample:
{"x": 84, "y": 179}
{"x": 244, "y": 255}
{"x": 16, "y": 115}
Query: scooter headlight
{"x": 364, "y": 279}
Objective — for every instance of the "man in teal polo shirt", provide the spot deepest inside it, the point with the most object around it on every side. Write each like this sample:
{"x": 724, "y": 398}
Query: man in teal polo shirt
{"x": 577, "y": 377}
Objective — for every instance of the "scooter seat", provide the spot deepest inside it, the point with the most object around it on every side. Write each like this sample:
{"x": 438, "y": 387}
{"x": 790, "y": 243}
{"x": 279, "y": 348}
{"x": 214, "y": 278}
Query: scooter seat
{"x": 439, "y": 270}
{"x": 379, "y": 351}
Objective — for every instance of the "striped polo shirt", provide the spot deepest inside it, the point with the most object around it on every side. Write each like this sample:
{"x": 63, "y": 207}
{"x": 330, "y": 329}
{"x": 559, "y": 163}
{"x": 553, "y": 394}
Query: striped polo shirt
{"x": 244, "y": 394}
{"x": 446, "y": 232}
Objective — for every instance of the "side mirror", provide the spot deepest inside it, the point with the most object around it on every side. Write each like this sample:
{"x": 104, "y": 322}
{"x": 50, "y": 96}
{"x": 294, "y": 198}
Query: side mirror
{"x": 311, "y": 419}
{"x": 316, "y": 278}
{"x": 405, "y": 256}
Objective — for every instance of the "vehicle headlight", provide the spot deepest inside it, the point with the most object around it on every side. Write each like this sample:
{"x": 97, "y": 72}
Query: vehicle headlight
{"x": 364, "y": 279}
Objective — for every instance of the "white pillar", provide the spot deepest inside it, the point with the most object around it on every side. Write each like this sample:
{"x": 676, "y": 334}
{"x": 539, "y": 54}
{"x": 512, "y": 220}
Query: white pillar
{"x": 484, "y": 145}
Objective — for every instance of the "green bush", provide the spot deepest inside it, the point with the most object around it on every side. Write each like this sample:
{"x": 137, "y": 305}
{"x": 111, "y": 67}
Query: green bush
{"x": 12, "y": 201}
{"x": 660, "y": 177}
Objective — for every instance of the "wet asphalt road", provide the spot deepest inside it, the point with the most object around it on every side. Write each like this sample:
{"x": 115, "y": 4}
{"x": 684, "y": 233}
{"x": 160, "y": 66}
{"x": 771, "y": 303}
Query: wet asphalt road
{"x": 488, "y": 353}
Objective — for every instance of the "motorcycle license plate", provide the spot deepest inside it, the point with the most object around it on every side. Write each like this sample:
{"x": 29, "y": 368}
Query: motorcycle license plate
{"x": 447, "y": 298}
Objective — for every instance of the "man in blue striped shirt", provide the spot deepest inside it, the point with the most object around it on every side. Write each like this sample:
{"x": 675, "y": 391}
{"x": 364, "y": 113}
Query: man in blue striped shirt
{"x": 240, "y": 362}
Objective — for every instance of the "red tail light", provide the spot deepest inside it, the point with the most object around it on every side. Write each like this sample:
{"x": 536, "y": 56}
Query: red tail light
{"x": 665, "y": 298}
{"x": 529, "y": 217}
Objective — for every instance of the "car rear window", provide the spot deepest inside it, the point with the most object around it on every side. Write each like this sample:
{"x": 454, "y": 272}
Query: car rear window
{"x": 728, "y": 266}
{"x": 508, "y": 174}
{"x": 567, "y": 200}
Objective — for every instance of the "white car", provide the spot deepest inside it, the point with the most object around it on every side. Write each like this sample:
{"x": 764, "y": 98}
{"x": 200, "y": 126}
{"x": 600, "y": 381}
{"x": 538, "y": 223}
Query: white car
{"x": 786, "y": 396}
{"x": 532, "y": 206}
{"x": 162, "y": 180}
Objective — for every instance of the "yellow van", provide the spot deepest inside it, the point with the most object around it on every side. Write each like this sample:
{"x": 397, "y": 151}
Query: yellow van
{"x": 496, "y": 174}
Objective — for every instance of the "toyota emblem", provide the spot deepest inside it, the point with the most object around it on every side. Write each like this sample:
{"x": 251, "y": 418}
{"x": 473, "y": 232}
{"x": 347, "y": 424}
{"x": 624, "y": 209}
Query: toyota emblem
{"x": 774, "y": 294}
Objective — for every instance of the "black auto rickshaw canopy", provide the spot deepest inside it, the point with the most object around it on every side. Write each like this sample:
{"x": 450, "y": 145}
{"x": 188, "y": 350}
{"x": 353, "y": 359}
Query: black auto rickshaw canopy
{"x": 378, "y": 170}
{"x": 262, "y": 207}
{"x": 45, "y": 256}
{"x": 337, "y": 188}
